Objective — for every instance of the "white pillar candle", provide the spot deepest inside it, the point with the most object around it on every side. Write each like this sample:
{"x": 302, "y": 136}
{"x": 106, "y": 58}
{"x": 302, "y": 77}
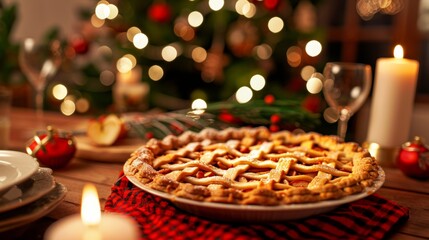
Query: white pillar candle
{"x": 112, "y": 226}
{"x": 393, "y": 100}
{"x": 132, "y": 76}
{"x": 91, "y": 224}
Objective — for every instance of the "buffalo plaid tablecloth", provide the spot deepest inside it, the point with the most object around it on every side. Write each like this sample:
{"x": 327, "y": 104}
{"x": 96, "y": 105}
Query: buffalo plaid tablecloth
{"x": 369, "y": 218}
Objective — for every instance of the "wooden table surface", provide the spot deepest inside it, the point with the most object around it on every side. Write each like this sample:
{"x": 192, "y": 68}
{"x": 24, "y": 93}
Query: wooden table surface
{"x": 408, "y": 192}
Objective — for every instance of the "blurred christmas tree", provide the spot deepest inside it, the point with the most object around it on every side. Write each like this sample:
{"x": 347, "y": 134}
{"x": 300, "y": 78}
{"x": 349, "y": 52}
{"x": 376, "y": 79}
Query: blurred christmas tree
{"x": 188, "y": 49}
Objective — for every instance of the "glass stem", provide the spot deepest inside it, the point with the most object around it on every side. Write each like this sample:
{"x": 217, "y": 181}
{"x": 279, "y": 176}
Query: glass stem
{"x": 342, "y": 124}
{"x": 39, "y": 104}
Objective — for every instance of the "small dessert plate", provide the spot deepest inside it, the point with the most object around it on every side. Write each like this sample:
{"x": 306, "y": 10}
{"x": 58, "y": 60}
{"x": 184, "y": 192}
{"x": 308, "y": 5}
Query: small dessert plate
{"x": 29, "y": 191}
{"x": 15, "y": 168}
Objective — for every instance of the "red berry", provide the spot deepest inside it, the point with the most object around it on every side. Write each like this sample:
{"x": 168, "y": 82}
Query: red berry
{"x": 274, "y": 128}
{"x": 149, "y": 135}
{"x": 269, "y": 99}
{"x": 275, "y": 118}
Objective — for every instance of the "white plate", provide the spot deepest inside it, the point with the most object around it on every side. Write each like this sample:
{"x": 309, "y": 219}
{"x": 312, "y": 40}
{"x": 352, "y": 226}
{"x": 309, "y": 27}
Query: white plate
{"x": 30, "y": 190}
{"x": 256, "y": 213}
{"x": 15, "y": 167}
{"x": 33, "y": 211}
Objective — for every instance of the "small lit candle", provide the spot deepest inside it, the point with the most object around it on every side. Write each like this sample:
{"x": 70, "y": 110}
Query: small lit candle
{"x": 91, "y": 224}
{"x": 131, "y": 97}
{"x": 129, "y": 77}
{"x": 393, "y": 100}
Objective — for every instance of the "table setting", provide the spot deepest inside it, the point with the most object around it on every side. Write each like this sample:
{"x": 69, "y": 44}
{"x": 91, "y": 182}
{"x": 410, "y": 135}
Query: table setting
{"x": 139, "y": 197}
{"x": 28, "y": 191}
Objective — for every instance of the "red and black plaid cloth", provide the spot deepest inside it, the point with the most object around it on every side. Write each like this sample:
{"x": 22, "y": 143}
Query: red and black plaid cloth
{"x": 369, "y": 218}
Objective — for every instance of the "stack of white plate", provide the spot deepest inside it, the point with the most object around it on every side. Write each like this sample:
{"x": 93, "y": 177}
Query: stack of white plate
{"x": 27, "y": 191}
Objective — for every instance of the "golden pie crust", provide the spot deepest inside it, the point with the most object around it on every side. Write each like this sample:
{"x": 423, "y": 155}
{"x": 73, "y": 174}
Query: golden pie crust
{"x": 253, "y": 166}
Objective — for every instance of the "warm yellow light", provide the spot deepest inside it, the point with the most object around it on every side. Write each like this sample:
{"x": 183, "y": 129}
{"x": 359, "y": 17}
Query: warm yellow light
{"x": 68, "y": 107}
{"x": 169, "y": 53}
{"x": 199, "y": 54}
{"x": 239, "y": 6}
{"x": 249, "y": 10}
{"x": 307, "y": 71}
{"x": 140, "y": 40}
{"x": 195, "y": 19}
{"x": 313, "y": 48}
{"x": 263, "y": 51}
{"x": 294, "y": 56}
{"x": 398, "y": 52}
{"x": 216, "y": 5}
{"x": 113, "y": 11}
{"x": 275, "y": 24}
{"x": 131, "y": 32}
{"x": 244, "y": 94}
{"x": 257, "y": 82}
{"x": 102, "y": 11}
{"x": 96, "y": 22}
{"x": 314, "y": 85}
{"x": 199, "y": 104}
{"x": 183, "y": 30}
{"x": 59, "y": 91}
{"x": 155, "y": 72}
{"x": 124, "y": 65}
{"x": 90, "y": 211}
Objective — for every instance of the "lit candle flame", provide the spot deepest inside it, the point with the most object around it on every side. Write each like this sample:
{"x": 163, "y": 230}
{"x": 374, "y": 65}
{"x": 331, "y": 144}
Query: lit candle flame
{"x": 398, "y": 52}
{"x": 90, "y": 210}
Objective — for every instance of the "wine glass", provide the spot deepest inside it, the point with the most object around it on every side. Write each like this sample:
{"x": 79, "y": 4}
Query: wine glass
{"x": 345, "y": 88}
{"x": 39, "y": 62}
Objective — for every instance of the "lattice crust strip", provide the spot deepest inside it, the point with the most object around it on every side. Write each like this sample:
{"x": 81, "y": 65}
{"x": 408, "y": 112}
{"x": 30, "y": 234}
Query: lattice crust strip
{"x": 253, "y": 166}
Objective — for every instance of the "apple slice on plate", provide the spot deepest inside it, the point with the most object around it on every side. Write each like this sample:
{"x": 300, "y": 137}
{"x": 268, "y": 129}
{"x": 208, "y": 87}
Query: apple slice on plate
{"x": 106, "y": 130}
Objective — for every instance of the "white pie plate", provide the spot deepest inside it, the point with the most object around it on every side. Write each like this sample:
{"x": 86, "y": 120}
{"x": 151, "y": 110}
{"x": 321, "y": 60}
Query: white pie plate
{"x": 15, "y": 167}
{"x": 256, "y": 213}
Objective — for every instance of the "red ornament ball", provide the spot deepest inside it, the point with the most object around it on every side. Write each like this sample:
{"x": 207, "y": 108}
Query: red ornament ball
{"x": 269, "y": 99}
{"x": 271, "y": 4}
{"x": 275, "y": 118}
{"x": 160, "y": 12}
{"x": 52, "y": 148}
{"x": 312, "y": 103}
{"x": 274, "y": 128}
{"x": 413, "y": 159}
{"x": 80, "y": 45}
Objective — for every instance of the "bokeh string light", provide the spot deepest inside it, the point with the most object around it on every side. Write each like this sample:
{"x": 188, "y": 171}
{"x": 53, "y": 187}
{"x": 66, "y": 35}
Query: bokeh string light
{"x": 244, "y": 38}
{"x": 368, "y": 8}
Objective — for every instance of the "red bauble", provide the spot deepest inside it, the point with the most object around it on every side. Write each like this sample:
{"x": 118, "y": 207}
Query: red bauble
{"x": 160, "y": 12}
{"x": 275, "y": 118}
{"x": 274, "y": 128}
{"x": 312, "y": 103}
{"x": 228, "y": 118}
{"x": 52, "y": 148}
{"x": 413, "y": 159}
{"x": 269, "y": 99}
{"x": 271, "y": 4}
{"x": 80, "y": 45}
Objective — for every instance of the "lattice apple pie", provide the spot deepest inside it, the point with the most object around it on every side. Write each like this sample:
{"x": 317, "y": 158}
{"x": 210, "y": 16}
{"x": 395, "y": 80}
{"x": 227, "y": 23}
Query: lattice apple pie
{"x": 253, "y": 166}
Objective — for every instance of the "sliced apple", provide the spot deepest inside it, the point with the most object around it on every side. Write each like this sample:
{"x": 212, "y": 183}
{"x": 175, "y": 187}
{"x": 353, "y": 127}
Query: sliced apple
{"x": 106, "y": 130}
